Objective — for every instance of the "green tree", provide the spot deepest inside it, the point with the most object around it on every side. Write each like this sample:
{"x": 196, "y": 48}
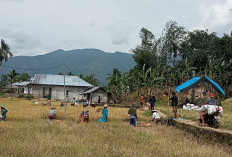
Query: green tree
{"x": 12, "y": 78}
{"x": 4, "y": 80}
{"x": 23, "y": 77}
{"x": 91, "y": 78}
{"x": 146, "y": 52}
{"x": 4, "y": 52}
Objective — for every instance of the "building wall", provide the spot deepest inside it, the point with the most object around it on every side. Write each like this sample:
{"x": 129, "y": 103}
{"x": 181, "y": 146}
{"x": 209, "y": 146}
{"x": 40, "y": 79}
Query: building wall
{"x": 57, "y": 92}
{"x": 102, "y": 95}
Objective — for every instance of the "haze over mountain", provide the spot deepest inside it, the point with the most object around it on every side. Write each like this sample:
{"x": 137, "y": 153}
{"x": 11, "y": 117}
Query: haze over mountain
{"x": 79, "y": 61}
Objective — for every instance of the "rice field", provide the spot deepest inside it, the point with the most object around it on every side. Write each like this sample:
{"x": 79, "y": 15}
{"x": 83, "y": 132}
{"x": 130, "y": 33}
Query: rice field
{"x": 26, "y": 132}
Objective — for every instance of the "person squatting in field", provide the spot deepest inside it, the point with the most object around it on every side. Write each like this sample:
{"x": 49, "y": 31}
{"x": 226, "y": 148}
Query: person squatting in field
{"x": 3, "y": 112}
{"x": 84, "y": 116}
{"x": 133, "y": 115}
{"x": 104, "y": 114}
{"x": 52, "y": 113}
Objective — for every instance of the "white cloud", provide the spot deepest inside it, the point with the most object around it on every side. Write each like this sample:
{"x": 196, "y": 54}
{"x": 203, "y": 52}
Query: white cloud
{"x": 217, "y": 17}
{"x": 37, "y": 27}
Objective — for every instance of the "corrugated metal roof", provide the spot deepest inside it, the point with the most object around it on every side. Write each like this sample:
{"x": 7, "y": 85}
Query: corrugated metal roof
{"x": 91, "y": 90}
{"x": 24, "y": 83}
{"x": 49, "y": 79}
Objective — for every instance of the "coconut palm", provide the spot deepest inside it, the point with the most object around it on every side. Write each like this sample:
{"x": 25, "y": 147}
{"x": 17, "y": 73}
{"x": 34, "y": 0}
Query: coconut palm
{"x": 4, "y": 52}
{"x": 12, "y": 78}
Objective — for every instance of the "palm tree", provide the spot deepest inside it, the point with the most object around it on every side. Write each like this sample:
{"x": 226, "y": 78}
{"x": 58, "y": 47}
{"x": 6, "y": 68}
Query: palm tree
{"x": 4, "y": 52}
{"x": 12, "y": 78}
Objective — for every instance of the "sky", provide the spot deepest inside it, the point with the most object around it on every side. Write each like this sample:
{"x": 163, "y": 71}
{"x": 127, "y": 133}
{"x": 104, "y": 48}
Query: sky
{"x": 35, "y": 27}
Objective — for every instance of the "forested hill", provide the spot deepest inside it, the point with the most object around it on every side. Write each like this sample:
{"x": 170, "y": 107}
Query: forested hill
{"x": 79, "y": 61}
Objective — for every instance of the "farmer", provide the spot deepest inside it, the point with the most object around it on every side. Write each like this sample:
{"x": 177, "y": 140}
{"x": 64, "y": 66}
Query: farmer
{"x": 155, "y": 116}
{"x": 73, "y": 102}
{"x": 48, "y": 103}
{"x": 3, "y": 112}
{"x": 84, "y": 103}
{"x": 141, "y": 100}
{"x": 52, "y": 113}
{"x": 104, "y": 114}
{"x": 209, "y": 109}
{"x": 85, "y": 116}
{"x": 152, "y": 102}
{"x": 133, "y": 115}
{"x": 211, "y": 100}
{"x": 174, "y": 103}
{"x": 61, "y": 104}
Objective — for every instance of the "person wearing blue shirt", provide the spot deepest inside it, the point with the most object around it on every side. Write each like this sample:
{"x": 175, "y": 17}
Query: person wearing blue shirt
{"x": 104, "y": 114}
{"x": 3, "y": 112}
{"x": 152, "y": 102}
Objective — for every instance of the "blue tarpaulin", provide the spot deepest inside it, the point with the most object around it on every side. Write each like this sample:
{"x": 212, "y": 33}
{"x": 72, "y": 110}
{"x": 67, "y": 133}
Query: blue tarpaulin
{"x": 197, "y": 80}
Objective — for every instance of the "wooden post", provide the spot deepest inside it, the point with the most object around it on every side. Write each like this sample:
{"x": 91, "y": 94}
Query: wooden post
{"x": 168, "y": 105}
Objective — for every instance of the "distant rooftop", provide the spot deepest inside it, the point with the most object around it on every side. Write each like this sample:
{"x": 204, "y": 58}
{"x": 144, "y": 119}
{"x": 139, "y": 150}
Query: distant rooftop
{"x": 49, "y": 79}
{"x": 91, "y": 90}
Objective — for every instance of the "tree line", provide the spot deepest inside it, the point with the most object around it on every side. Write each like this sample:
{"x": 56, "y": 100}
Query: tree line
{"x": 173, "y": 58}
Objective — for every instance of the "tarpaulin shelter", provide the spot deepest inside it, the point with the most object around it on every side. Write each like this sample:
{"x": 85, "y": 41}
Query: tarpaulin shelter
{"x": 196, "y": 81}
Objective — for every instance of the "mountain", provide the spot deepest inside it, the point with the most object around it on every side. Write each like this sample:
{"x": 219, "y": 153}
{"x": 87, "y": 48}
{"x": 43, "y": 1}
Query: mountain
{"x": 79, "y": 61}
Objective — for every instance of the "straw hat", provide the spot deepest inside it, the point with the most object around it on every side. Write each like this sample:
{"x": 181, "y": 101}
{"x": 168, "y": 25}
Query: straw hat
{"x": 2, "y": 106}
{"x": 105, "y": 106}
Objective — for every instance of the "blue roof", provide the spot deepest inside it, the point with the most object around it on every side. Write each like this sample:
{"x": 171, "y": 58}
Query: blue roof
{"x": 197, "y": 80}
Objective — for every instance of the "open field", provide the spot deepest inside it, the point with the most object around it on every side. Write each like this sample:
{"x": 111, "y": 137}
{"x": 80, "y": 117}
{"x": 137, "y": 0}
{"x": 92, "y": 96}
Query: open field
{"x": 225, "y": 122}
{"x": 27, "y": 133}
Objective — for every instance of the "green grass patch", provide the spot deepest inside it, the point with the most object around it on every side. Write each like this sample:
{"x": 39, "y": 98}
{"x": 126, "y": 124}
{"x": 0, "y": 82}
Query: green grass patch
{"x": 147, "y": 113}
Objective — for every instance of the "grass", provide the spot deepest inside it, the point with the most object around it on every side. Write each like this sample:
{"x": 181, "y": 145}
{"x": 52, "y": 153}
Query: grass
{"x": 27, "y": 133}
{"x": 225, "y": 122}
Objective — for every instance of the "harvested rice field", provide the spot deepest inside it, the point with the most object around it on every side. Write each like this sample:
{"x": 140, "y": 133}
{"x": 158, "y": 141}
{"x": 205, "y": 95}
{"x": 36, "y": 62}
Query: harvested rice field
{"x": 26, "y": 132}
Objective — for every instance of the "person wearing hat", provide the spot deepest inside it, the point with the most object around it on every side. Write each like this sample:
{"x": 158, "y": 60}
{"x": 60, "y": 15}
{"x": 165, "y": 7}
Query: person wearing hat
{"x": 211, "y": 100}
{"x": 3, "y": 112}
{"x": 85, "y": 116}
{"x": 52, "y": 113}
{"x": 133, "y": 115}
{"x": 104, "y": 114}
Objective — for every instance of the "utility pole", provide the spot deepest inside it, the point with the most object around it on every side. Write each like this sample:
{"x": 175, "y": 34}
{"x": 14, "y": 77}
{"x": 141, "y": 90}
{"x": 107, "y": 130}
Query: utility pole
{"x": 65, "y": 103}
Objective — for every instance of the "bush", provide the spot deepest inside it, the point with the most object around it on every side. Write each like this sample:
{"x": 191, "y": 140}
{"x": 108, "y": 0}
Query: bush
{"x": 8, "y": 90}
{"x": 21, "y": 96}
{"x": 29, "y": 97}
{"x": 2, "y": 94}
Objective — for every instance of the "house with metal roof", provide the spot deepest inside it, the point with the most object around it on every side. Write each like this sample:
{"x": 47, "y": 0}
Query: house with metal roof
{"x": 21, "y": 87}
{"x": 96, "y": 95}
{"x": 57, "y": 87}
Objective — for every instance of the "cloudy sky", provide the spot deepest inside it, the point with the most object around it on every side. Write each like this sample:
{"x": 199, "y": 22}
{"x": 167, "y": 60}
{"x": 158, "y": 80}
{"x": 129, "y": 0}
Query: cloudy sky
{"x": 33, "y": 27}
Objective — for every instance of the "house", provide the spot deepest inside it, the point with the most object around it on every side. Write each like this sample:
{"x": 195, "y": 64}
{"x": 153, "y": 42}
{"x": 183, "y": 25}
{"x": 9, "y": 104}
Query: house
{"x": 52, "y": 86}
{"x": 96, "y": 95}
{"x": 21, "y": 87}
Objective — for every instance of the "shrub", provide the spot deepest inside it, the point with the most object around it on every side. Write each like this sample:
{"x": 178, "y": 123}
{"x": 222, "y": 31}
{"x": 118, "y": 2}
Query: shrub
{"x": 8, "y": 90}
{"x": 21, "y": 96}
{"x": 2, "y": 94}
{"x": 29, "y": 97}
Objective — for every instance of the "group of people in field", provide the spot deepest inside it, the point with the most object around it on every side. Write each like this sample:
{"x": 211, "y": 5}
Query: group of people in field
{"x": 209, "y": 107}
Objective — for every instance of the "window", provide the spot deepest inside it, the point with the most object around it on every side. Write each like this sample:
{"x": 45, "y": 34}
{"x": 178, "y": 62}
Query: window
{"x": 67, "y": 93}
